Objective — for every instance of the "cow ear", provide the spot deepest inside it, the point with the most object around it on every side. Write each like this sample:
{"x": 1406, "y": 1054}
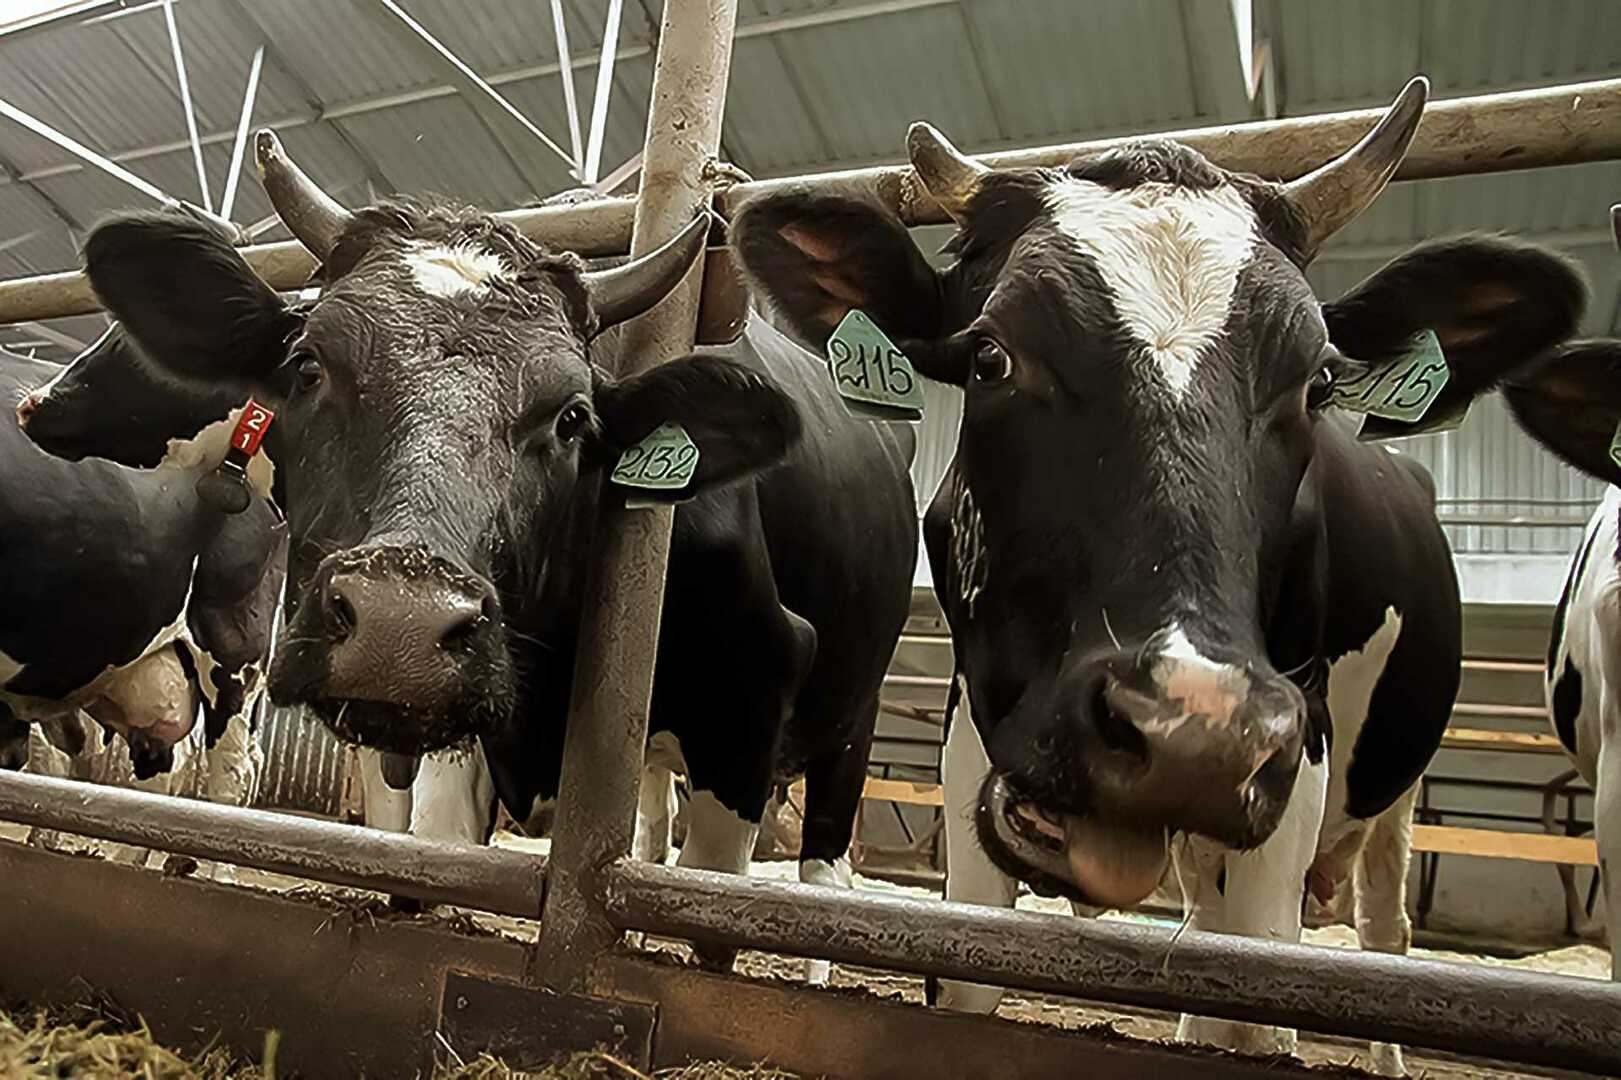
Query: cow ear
{"x": 1495, "y": 304}
{"x": 1570, "y": 402}
{"x": 187, "y": 297}
{"x": 739, "y": 419}
{"x": 818, "y": 256}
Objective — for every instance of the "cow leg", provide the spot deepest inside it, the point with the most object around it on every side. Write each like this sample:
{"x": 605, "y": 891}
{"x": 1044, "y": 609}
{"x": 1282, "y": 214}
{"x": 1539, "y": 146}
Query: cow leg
{"x": 44, "y": 759}
{"x": 655, "y": 815}
{"x": 833, "y": 786}
{"x": 453, "y": 797}
{"x": 971, "y": 877}
{"x": 384, "y": 807}
{"x": 1380, "y": 888}
{"x": 1262, "y": 897}
{"x": 14, "y": 732}
{"x": 235, "y": 763}
{"x": 1607, "y": 832}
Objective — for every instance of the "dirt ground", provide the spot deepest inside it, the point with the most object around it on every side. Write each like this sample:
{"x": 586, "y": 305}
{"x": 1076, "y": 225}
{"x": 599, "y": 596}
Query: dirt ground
{"x": 1578, "y": 960}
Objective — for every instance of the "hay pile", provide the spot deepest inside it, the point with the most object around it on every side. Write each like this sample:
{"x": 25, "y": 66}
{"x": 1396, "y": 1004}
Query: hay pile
{"x": 96, "y": 1044}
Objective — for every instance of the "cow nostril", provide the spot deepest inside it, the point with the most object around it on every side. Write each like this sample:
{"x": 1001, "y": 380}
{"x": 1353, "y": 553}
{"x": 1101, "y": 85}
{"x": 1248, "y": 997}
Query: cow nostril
{"x": 1115, "y": 726}
{"x": 459, "y": 635}
{"x": 340, "y": 612}
{"x": 25, "y": 409}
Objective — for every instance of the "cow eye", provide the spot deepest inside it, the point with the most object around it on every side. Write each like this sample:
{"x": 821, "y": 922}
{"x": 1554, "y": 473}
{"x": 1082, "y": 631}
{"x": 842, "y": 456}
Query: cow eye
{"x": 310, "y": 373}
{"x": 1319, "y": 389}
{"x": 571, "y": 421}
{"x": 991, "y": 362}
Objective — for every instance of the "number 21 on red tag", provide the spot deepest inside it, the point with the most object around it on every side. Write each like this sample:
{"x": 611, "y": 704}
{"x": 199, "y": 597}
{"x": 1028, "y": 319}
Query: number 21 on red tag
{"x": 251, "y": 427}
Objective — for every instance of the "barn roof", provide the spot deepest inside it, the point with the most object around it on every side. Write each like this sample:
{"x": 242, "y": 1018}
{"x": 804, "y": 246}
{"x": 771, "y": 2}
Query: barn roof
{"x": 815, "y": 84}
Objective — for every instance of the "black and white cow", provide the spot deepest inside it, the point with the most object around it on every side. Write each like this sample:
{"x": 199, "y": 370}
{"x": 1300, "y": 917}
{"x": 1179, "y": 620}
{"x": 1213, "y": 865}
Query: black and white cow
{"x": 1194, "y": 616}
{"x": 441, "y": 434}
{"x": 123, "y": 596}
{"x": 111, "y": 403}
{"x": 1571, "y": 403}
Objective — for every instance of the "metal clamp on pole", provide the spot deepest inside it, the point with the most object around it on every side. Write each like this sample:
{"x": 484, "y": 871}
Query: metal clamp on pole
{"x": 613, "y": 677}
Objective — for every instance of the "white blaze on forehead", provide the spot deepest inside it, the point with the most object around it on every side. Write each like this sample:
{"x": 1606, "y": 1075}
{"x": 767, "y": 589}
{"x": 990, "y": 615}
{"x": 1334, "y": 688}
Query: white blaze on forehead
{"x": 1170, "y": 255}
{"x": 453, "y": 269}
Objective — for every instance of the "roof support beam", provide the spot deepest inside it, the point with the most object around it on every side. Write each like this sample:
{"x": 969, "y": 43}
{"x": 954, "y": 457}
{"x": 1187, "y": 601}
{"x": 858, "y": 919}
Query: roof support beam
{"x": 1218, "y": 41}
{"x": 81, "y": 151}
{"x": 243, "y": 15}
{"x": 626, "y": 169}
{"x": 495, "y": 113}
{"x": 364, "y": 106}
{"x": 228, "y": 199}
{"x": 566, "y": 70}
{"x": 55, "y": 337}
{"x": 604, "y": 91}
{"x": 179, "y": 54}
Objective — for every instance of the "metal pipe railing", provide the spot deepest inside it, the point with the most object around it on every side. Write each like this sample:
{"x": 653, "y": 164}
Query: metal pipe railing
{"x": 486, "y": 879}
{"x": 1482, "y": 1012}
{"x": 1521, "y": 129}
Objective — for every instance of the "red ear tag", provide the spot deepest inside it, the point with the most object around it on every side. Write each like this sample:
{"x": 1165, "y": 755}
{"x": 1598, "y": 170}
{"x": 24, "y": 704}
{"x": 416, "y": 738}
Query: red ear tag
{"x": 227, "y": 488}
{"x": 250, "y": 428}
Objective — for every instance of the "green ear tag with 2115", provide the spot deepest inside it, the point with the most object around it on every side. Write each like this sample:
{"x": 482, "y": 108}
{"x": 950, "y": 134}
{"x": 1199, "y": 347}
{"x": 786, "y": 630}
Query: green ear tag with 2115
{"x": 873, "y": 377}
{"x": 1402, "y": 389}
{"x": 659, "y": 467}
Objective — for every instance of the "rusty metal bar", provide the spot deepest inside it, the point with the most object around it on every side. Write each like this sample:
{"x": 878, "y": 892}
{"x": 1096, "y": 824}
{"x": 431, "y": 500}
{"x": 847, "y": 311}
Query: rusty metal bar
{"x": 600, "y": 227}
{"x": 487, "y": 879}
{"x": 1482, "y": 1012}
{"x": 613, "y": 675}
{"x": 1522, "y": 129}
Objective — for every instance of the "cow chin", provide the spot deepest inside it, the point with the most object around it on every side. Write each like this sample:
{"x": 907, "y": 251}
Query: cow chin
{"x": 1102, "y": 864}
{"x": 406, "y": 729}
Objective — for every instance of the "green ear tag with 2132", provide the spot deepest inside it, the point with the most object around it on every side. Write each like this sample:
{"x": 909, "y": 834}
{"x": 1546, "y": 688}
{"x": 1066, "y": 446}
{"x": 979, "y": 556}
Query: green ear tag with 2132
{"x": 1402, "y": 389}
{"x": 659, "y": 467}
{"x": 873, "y": 377}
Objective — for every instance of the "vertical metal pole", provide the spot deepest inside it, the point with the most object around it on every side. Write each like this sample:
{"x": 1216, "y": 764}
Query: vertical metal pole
{"x": 613, "y": 676}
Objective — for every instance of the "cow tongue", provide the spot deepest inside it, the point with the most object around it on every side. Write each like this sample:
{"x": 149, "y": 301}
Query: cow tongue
{"x": 1114, "y": 865}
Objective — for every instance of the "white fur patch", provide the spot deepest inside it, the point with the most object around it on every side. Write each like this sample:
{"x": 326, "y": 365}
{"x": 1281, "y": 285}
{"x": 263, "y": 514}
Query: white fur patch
{"x": 451, "y": 270}
{"x": 1202, "y": 686}
{"x": 205, "y": 450}
{"x": 717, "y": 838}
{"x": 1171, "y": 257}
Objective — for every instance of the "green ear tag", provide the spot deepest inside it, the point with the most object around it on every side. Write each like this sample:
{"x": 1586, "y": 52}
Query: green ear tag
{"x": 1615, "y": 446}
{"x": 873, "y": 376}
{"x": 1401, "y": 390}
{"x": 662, "y": 463}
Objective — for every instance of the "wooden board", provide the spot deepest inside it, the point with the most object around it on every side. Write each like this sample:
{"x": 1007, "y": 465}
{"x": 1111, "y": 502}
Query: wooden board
{"x": 904, "y": 791}
{"x": 1525, "y": 742}
{"x": 1494, "y": 844}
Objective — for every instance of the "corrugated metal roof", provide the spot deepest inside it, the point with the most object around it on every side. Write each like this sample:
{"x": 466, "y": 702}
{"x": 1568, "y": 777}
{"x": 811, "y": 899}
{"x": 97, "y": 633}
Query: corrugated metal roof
{"x": 815, "y": 84}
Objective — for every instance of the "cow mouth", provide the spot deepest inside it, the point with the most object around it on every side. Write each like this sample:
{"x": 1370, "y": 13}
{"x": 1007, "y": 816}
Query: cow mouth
{"x": 1104, "y": 864}
{"x": 402, "y": 729}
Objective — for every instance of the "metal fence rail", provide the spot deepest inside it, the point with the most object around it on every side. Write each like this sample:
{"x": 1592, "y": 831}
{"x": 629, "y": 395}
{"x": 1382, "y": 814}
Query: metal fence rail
{"x": 1480, "y": 1011}
{"x": 487, "y": 879}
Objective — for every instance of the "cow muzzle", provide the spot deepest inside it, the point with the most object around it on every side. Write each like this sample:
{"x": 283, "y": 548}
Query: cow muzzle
{"x": 396, "y": 648}
{"x": 1139, "y": 745}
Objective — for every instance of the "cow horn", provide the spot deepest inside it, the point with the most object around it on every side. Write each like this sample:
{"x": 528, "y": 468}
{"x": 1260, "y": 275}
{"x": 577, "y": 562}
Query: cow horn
{"x": 1331, "y": 196}
{"x": 1615, "y": 223}
{"x": 624, "y": 292}
{"x": 309, "y": 213}
{"x": 950, "y": 177}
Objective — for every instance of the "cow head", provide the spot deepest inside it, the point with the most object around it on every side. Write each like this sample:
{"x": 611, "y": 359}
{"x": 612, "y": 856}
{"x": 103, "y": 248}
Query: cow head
{"x": 1130, "y": 545}
{"x": 1570, "y": 399}
{"x": 443, "y": 430}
